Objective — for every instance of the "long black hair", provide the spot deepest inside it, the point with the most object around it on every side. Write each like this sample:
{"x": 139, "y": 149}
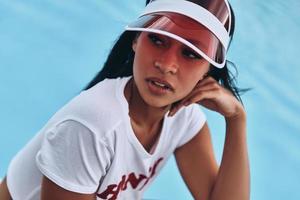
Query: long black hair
{"x": 119, "y": 63}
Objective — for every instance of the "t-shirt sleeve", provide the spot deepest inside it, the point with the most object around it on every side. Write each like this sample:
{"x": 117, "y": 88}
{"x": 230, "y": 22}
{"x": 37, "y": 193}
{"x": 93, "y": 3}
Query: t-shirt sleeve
{"x": 73, "y": 157}
{"x": 196, "y": 120}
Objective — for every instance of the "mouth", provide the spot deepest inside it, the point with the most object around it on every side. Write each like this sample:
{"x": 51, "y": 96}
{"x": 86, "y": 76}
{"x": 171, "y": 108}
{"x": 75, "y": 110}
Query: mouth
{"x": 160, "y": 83}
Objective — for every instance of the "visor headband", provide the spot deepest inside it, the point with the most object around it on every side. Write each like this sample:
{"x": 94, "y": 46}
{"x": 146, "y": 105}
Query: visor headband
{"x": 193, "y": 11}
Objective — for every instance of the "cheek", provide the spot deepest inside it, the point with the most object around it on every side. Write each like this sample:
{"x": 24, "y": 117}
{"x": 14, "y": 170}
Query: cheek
{"x": 188, "y": 86}
{"x": 190, "y": 76}
{"x": 194, "y": 73}
{"x": 139, "y": 65}
{"x": 140, "y": 58}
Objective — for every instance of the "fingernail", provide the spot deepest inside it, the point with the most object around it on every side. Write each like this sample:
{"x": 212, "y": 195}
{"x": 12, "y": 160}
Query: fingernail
{"x": 173, "y": 112}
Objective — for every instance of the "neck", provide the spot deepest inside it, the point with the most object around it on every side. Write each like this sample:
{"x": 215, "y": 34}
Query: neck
{"x": 140, "y": 112}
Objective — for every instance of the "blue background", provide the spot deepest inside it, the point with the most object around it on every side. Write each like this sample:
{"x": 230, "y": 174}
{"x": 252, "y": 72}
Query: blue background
{"x": 49, "y": 50}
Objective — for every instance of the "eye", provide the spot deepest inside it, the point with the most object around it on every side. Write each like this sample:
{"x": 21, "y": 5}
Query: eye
{"x": 155, "y": 39}
{"x": 191, "y": 54}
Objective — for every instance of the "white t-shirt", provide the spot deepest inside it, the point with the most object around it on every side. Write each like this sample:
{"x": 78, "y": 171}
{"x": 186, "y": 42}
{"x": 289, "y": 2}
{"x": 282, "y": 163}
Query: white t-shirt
{"x": 89, "y": 146}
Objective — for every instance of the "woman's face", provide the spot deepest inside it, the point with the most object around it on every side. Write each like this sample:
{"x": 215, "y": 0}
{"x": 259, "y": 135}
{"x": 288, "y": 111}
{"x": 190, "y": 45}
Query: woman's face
{"x": 165, "y": 70}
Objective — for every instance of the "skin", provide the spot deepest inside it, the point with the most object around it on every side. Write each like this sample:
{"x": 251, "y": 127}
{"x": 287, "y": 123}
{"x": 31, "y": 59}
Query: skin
{"x": 4, "y": 193}
{"x": 187, "y": 73}
{"x": 178, "y": 66}
{"x": 200, "y": 171}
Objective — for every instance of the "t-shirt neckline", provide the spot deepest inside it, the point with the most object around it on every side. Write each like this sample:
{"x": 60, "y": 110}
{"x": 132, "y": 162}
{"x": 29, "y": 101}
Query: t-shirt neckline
{"x": 130, "y": 133}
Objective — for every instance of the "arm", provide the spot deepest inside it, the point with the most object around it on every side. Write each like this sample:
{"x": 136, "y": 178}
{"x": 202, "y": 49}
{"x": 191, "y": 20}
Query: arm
{"x": 4, "y": 193}
{"x": 50, "y": 191}
{"x": 200, "y": 172}
{"x": 71, "y": 159}
{"x": 197, "y": 164}
{"x": 231, "y": 181}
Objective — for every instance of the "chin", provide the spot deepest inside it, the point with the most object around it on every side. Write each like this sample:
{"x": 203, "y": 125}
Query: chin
{"x": 157, "y": 102}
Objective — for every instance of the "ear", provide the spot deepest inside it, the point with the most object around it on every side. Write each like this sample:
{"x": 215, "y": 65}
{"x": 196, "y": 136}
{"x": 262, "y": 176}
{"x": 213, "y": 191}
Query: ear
{"x": 134, "y": 43}
{"x": 135, "y": 40}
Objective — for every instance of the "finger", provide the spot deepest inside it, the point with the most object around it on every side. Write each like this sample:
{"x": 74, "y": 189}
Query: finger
{"x": 201, "y": 95}
{"x": 174, "y": 109}
{"x": 197, "y": 97}
{"x": 207, "y": 103}
{"x": 188, "y": 100}
{"x": 207, "y": 87}
{"x": 205, "y": 81}
{"x": 173, "y": 106}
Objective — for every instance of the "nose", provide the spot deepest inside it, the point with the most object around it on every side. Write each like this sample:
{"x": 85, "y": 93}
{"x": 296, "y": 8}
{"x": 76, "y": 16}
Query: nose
{"x": 167, "y": 61}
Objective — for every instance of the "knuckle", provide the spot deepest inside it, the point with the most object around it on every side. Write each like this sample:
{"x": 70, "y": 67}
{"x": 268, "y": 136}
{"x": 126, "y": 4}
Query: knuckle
{"x": 219, "y": 91}
{"x": 210, "y": 78}
{"x": 215, "y": 84}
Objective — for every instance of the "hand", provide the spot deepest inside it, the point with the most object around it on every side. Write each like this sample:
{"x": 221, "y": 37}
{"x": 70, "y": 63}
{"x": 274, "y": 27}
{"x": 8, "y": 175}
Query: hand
{"x": 210, "y": 94}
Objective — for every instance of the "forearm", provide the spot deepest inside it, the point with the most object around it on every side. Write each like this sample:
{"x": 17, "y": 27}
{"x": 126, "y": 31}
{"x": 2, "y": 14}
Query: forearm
{"x": 233, "y": 179}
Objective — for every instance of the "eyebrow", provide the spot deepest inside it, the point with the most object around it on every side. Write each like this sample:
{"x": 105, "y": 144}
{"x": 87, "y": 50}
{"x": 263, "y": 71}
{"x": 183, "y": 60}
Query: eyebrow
{"x": 192, "y": 41}
{"x": 196, "y": 42}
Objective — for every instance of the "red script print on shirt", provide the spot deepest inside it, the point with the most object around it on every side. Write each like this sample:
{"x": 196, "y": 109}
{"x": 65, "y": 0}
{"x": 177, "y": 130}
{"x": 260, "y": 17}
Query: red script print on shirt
{"x": 115, "y": 189}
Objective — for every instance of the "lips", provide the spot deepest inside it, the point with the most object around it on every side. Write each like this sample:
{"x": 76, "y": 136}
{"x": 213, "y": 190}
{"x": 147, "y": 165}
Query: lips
{"x": 160, "y": 83}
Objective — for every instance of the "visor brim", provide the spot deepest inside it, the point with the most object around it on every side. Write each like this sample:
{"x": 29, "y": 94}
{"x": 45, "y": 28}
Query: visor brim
{"x": 185, "y": 30}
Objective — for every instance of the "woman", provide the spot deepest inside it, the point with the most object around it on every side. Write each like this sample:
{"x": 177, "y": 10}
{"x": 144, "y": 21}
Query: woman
{"x": 110, "y": 141}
